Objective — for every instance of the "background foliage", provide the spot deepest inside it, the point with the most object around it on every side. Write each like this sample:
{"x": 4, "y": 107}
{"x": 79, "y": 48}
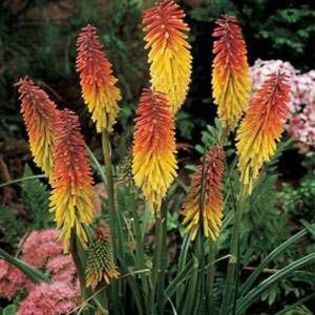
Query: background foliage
{"x": 37, "y": 38}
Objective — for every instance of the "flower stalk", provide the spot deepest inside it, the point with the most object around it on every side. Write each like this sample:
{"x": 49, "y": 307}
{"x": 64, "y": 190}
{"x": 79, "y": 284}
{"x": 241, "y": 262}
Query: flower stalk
{"x": 231, "y": 278}
{"x": 211, "y": 274}
{"x": 159, "y": 262}
{"x": 200, "y": 241}
{"x": 79, "y": 257}
{"x": 74, "y": 248}
{"x": 31, "y": 272}
{"x": 110, "y": 188}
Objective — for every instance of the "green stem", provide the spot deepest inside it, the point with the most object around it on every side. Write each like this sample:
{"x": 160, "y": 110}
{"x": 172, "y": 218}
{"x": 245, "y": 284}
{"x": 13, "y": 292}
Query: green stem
{"x": 158, "y": 268}
{"x": 211, "y": 273}
{"x": 139, "y": 250}
{"x": 200, "y": 305}
{"x": 15, "y": 181}
{"x": 31, "y": 272}
{"x": 97, "y": 165}
{"x": 191, "y": 297}
{"x": 163, "y": 258}
{"x": 233, "y": 261}
{"x": 223, "y": 136}
{"x": 182, "y": 263}
{"x": 76, "y": 256}
{"x": 200, "y": 242}
{"x": 100, "y": 298}
{"x": 110, "y": 188}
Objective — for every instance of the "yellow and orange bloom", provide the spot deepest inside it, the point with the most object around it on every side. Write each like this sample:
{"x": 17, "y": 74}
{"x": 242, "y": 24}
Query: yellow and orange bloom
{"x": 100, "y": 261}
{"x": 154, "y": 162}
{"x": 231, "y": 83}
{"x": 39, "y": 114}
{"x": 98, "y": 83}
{"x": 169, "y": 51}
{"x": 211, "y": 173}
{"x": 262, "y": 126}
{"x": 72, "y": 198}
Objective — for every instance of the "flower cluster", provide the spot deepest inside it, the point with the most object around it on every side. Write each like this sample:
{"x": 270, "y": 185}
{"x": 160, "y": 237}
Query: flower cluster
{"x": 41, "y": 246}
{"x": 230, "y": 76}
{"x": 97, "y": 81}
{"x": 12, "y": 280}
{"x": 42, "y": 249}
{"x": 49, "y": 299}
{"x": 206, "y": 184}
{"x": 61, "y": 268}
{"x": 169, "y": 55}
{"x": 73, "y": 195}
{"x": 100, "y": 261}
{"x": 154, "y": 162}
{"x": 262, "y": 126}
{"x": 39, "y": 114}
{"x": 301, "y": 119}
{"x": 59, "y": 149}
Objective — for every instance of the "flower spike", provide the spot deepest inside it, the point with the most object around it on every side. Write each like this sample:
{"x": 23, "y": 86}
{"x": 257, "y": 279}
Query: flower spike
{"x": 169, "y": 56}
{"x": 262, "y": 126}
{"x": 39, "y": 114}
{"x": 97, "y": 81}
{"x": 72, "y": 198}
{"x": 212, "y": 169}
{"x": 230, "y": 74}
{"x": 100, "y": 261}
{"x": 154, "y": 162}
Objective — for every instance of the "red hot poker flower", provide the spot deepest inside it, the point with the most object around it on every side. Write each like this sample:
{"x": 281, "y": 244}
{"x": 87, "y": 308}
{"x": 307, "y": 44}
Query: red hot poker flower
{"x": 262, "y": 126}
{"x": 97, "y": 80}
{"x": 39, "y": 114}
{"x": 72, "y": 198}
{"x": 169, "y": 51}
{"x": 154, "y": 162}
{"x": 230, "y": 76}
{"x": 213, "y": 197}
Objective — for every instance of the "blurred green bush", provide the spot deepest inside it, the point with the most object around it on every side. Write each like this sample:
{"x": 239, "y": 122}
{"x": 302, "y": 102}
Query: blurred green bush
{"x": 37, "y": 38}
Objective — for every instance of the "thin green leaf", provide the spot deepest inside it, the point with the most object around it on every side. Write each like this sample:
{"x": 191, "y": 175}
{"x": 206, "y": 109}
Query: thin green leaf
{"x": 253, "y": 295}
{"x": 296, "y": 304}
{"x": 275, "y": 253}
{"x": 179, "y": 279}
{"x": 16, "y": 181}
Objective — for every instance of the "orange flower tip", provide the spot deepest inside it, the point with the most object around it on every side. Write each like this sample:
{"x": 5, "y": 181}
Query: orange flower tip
{"x": 231, "y": 82}
{"x": 154, "y": 162}
{"x": 209, "y": 176}
{"x": 262, "y": 126}
{"x": 97, "y": 81}
{"x": 169, "y": 51}
{"x": 72, "y": 198}
{"x": 39, "y": 114}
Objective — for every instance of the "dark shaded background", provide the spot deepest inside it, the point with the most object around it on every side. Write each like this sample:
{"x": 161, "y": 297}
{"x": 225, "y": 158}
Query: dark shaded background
{"x": 37, "y": 38}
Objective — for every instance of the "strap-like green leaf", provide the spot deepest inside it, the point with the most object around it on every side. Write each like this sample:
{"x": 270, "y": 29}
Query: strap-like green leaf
{"x": 246, "y": 301}
{"x": 275, "y": 253}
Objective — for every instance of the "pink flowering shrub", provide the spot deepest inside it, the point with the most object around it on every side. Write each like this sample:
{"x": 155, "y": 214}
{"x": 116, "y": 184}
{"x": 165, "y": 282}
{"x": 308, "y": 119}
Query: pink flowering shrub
{"x": 62, "y": 268}
{"x": 301, "y": 121}
{"x": 12, "y": 280}
{"x": 40, "y": 246}
{"x": 49, "y": 299}
{"x": 43, "y": 250}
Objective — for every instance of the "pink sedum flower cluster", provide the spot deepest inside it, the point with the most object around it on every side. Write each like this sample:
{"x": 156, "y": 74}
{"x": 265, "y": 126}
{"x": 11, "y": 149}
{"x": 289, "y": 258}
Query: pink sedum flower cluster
{"x": 12, "y": 280}
{"x": 43, "y": 250}
{"x": 62, "y": 268}
{"x": 40, "y": 246}
{"x": 301, "y": 120}
{"x": 49, "y": 298}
